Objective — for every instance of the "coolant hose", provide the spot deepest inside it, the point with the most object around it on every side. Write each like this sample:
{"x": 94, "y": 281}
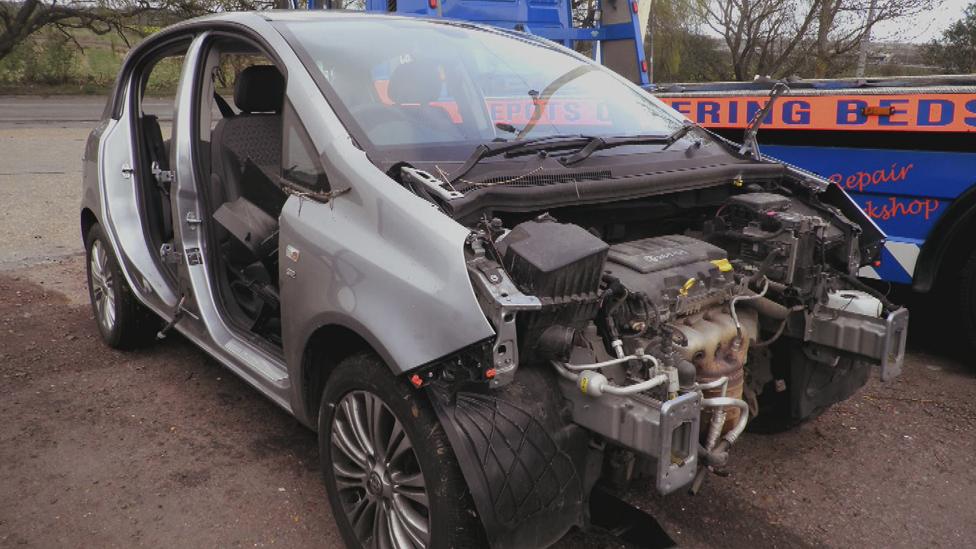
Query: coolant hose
{"x": 865, "y": 288}
{"x": 769, "y": 308}
{"x": 736, "y": 299}
{"x": 764, "y": 266}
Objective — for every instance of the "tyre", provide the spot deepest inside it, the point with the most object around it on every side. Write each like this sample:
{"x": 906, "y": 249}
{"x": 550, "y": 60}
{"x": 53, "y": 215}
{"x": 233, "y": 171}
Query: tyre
{"x": 392, "y": 477}
{"x": 123, "y": 322}
{"x": 966, "y": 302}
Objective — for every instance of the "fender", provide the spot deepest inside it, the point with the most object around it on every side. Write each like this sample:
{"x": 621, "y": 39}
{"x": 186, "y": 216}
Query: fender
{"x": 957, "y": 221}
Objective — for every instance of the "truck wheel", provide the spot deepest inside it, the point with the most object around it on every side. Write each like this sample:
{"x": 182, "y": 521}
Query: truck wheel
{"x": 966, "y": 302}
{"x": 392, "y": 477}
{"x": 123, "y": 322}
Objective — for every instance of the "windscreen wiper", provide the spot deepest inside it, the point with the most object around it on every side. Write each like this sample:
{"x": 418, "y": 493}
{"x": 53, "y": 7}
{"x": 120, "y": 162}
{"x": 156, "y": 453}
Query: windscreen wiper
{"x": 750, "y": 145}
{"x": 523, "y": 146}
{"x": 601, "y": 143}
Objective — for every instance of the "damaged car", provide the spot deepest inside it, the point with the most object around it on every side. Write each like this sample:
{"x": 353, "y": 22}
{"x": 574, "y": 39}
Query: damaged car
{"x": 488, "y": 272}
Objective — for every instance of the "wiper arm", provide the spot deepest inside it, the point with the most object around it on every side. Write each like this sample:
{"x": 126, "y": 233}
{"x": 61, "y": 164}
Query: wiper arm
{"x": 750, "y": 145}
{"x": 601, "y": 143}
{"x": 488, "y": 150}
{"x": 680, "y": 132}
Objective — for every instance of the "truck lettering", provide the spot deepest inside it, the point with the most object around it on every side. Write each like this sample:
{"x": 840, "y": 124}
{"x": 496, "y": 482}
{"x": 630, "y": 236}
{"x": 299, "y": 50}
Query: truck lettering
{"x": 945, "y": 110}
{"x": 514, "y": 108}
{"x": 572, "y": 112}
{"x": 937, "y": 112}
{"x": 734, "y": 112}
{"x": 971, "y": 109}
{"x": 796, "y": 112}
{"x": 684, "y": 107}
{"x": 864, "y": 179}
{"x": 709, "y": 109}
{"x": 891, "y": 120}
{"x": 851, "y": 112}
{"x": 893, "y": 208}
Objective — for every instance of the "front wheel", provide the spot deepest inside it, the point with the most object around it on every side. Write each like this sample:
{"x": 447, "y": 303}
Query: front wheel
{"x": 392, "y": 477}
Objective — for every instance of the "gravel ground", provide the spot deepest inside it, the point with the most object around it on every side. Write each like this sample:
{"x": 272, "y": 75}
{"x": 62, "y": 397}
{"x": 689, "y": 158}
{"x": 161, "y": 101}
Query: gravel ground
{"x": 163, "y": 447}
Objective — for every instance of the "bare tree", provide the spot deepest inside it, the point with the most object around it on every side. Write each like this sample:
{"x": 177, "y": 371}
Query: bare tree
{"x": 20, "y": 20}
{"x": 780, "y": 37}
{"x": 955, "y": 50}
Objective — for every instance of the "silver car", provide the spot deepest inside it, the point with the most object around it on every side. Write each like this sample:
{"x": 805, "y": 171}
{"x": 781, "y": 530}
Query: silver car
{"x": 488, "y": 272}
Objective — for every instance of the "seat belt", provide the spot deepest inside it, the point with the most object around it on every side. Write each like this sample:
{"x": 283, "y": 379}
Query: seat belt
{"x": 223, "y": 107}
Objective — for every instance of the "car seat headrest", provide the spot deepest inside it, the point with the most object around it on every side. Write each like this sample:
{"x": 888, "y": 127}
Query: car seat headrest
{"x": 415, "y": 82}
{"x": 259, "y": 88}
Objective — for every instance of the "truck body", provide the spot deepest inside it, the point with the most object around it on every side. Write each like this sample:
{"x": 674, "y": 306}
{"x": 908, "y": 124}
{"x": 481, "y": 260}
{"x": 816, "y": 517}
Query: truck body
{"x": 903, "y": 149}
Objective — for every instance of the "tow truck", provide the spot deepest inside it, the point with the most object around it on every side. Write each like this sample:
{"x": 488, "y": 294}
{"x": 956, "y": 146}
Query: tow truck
{"x": 903, "y": 148}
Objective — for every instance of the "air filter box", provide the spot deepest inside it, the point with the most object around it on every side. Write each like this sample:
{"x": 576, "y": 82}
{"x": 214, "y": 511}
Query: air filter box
{"x": 553, "y": 260}
{"x": 561, "y": 264}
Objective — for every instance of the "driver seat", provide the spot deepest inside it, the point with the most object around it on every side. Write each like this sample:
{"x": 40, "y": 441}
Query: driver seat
{"x": 254, "y": 134}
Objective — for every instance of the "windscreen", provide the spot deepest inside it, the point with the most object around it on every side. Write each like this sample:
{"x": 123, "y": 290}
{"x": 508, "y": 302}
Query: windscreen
{"x": 418, "y": 83}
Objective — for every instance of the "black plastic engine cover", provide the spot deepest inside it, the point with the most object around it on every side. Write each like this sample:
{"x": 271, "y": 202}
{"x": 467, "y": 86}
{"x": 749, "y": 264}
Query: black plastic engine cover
{"x": 553, "y": 260}
{"x": 559, "y": 263}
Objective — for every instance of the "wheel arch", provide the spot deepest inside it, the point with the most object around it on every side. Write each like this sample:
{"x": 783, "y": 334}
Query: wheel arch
{"x": 88, "y": 220}
{"x": 949, "y": 235}
{"x": 324, "y": 349}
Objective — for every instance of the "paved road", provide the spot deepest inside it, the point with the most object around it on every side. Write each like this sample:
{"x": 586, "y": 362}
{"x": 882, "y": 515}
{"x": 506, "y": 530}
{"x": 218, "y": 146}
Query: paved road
{"x": 165, "y": 447}
{"x": 29, "y": 110}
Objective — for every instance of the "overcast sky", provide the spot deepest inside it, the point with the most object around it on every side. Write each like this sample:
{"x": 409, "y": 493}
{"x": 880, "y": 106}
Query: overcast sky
{"x": 923, "y": 27}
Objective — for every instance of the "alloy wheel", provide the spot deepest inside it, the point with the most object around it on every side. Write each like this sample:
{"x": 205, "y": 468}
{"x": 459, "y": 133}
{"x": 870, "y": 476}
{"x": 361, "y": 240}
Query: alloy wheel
{"x": 102, "y": 286}
{"x": 377, "y": 475}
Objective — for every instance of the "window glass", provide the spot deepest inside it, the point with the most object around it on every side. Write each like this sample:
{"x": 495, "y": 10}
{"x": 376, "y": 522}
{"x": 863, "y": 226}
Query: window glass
{"x": 300, "y": 164}
{"x": 414, "y": 83}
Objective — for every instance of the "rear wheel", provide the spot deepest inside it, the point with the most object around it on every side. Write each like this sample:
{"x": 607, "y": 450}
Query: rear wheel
{"x": 966, "y": 302}
{"x": 392, "y": 477}
{"x": 123, "y": 322}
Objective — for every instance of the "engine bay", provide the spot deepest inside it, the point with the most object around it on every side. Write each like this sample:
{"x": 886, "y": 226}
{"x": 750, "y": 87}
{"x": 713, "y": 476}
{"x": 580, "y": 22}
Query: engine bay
{"x": 665, "y": 332}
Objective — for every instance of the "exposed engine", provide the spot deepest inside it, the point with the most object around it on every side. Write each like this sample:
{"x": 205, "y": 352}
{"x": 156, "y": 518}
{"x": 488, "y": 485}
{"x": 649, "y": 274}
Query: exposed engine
{"x": 651, "y": 337}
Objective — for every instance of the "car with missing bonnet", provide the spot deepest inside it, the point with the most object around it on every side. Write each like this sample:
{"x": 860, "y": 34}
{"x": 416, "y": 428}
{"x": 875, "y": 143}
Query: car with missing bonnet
{"x": 488, "y": 272}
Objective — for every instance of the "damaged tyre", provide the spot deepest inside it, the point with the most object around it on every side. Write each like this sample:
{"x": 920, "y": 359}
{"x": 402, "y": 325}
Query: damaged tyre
{"x": 392, "y": 477}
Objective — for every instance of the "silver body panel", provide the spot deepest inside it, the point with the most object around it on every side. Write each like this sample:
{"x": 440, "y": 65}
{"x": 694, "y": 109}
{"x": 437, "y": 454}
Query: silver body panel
{"x": 377, "y": 260}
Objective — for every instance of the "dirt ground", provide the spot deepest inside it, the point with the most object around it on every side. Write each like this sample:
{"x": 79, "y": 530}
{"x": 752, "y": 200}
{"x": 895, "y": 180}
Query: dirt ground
{"x": 164, "y": 447}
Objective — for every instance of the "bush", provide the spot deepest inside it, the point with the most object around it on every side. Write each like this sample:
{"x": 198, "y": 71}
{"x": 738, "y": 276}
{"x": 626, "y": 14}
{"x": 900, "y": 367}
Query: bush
{"x": 13, "y": 66}
{"x": 54, "y": 61}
